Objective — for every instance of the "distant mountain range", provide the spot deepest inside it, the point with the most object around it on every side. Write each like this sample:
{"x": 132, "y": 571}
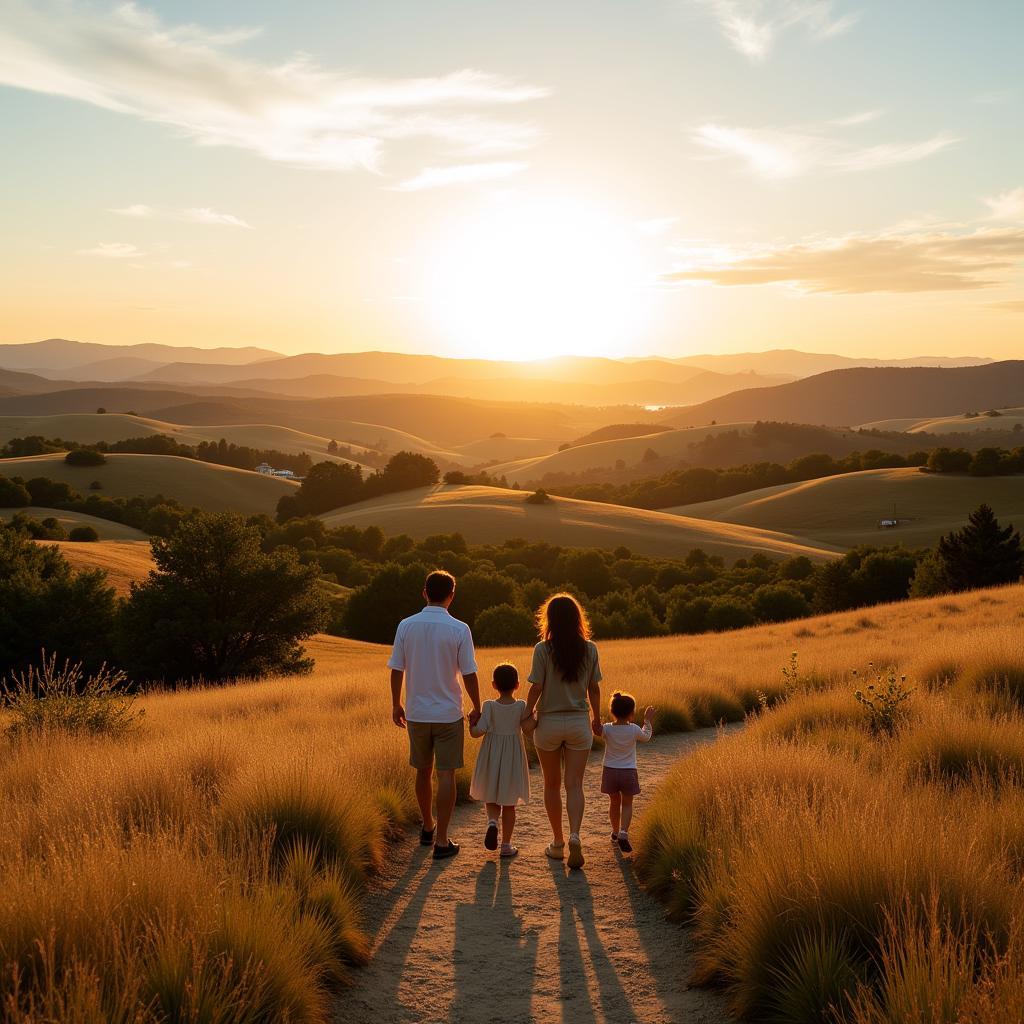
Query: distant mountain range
{"x": 863, "y": 394}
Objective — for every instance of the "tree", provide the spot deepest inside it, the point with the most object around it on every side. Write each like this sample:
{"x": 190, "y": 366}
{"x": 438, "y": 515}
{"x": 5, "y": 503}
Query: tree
{"x": 404, "y": 472}
{"x": 727, "y": 613}
{"x": 374, "y": 610}
{"x": 949, "y": 460}
{"x": 930, "y": 577}
{"x": 982, "y": 554}
{"x": 986, "y": 462}
{"x": 503, "y": 625}
{"x": 85, "y": 457}
{"x": 332, "y": 447}
{"x": 13, "y": 494}
{"x": 217, "y": 607}
{"x": 884, "y": 576}
{"x": 586, "y": 569}
{"x": 779, "y": 602}
{"x": 834, "y": 590}
{"x": 45, "y": 604}
{"x": 327, "y": 485}
{"x": 83, "y": 534}
{"x": 479, "y": 590}
{"x": 538, "y": 497}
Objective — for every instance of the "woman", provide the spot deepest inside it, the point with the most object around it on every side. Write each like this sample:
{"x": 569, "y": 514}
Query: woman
{"x": 565, "y": 674}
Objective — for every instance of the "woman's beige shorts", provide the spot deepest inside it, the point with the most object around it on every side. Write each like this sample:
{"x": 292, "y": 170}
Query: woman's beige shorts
{"x": 569, "y": 729}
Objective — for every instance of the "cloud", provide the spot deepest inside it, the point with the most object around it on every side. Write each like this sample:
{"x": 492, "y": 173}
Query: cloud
{"x": 188, "y": 78}
{"x": 861, "y": 117}
{"x": 939, "y": 261}
{"x": 139, "y": 210}
{"x": 753, "y": 26}
{"x": 657, "y": 225}
{"x": 1013, "y": 306}
{"x": 1007, "y": 206}
{"x": 783, "y": 153}
{"x": 193, "y": 215}
{"x": 459, "y": 174}
{"x": 113, "y": 251}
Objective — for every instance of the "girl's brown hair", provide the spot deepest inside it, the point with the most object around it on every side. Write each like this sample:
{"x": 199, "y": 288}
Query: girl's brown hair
{"x": 562, "y": 624}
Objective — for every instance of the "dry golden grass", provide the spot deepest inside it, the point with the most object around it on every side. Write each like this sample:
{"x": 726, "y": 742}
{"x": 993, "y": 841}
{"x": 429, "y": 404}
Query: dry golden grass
{"x": 490, "y": 515}
{"x": 835, "y": 873}
{"x": 209, "y": 865}
{"x": 125, "y": 562}
{"x": 212, "y": 488}
{"x": 844, "y": 510}
{"x": 960, "y": 424}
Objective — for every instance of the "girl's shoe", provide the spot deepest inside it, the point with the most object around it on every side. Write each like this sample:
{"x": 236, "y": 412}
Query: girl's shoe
{"x": 427, "y": 838}
{"x": 556, "y": 851}
{"x": 615, "y": 839}
{"x": 508, "y": 850}
{"x": 576, "y": 860}
{"x": 491, "y": 836}
{"x": 624, "y": 844}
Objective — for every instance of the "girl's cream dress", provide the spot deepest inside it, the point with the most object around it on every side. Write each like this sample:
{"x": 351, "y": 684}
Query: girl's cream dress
{"x": 502, "y": 773}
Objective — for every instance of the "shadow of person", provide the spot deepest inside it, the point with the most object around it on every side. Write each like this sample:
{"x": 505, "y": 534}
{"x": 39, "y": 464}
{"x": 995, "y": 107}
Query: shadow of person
{"x": 489, "y": 930}
{"x": 576, "y": 913}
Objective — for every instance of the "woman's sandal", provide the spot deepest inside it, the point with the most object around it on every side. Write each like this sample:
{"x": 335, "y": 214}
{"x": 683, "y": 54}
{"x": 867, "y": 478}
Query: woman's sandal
{"x": 556, "y": 851}
{"x": 508, "y": 850}
{"x": 575, "y": 854}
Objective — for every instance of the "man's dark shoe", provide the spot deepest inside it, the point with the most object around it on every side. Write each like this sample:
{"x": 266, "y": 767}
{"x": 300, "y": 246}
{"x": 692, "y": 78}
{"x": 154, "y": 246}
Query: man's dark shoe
{"x": 491, "y": 837}
{"x": 443, "y": 852}
{"x": 426, "y": 838}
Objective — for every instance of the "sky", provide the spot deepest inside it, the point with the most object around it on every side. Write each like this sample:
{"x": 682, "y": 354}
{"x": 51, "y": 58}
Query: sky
{"x": 477, "y": 178}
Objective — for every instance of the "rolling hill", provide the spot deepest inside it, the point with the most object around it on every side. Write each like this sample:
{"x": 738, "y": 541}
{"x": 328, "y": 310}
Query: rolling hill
{"x": 213, "y": 488}
{"x": 106, "y": 529}
{"x": 844, "y": 510}
{"x": 491, "y": 515}
{"x": 1008, "y": 419}
{"x": 125, "y": 562}
{"x": 844, "y": 397}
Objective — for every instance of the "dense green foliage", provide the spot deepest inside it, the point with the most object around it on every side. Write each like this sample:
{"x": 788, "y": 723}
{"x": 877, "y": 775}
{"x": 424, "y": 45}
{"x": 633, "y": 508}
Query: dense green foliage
{"x": 85, "y": 457}
{"x": 218, "y": 607}
{"x": 331, "y": 485}
{"x": 44, "y": 604}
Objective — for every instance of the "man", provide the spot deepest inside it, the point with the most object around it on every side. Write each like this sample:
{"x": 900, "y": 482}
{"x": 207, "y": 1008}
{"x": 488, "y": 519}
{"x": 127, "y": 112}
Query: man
{"x": 432, "y": 649}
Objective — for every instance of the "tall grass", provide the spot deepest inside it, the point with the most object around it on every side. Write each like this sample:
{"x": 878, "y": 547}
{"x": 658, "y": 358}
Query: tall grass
{"x": 837, "y": 872}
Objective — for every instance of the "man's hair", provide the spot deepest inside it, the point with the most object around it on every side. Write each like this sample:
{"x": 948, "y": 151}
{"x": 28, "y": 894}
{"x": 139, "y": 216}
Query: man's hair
{"x": 622, "y": 704}
{"x": 506, "y": 677}
{"x": 440, "y": 586}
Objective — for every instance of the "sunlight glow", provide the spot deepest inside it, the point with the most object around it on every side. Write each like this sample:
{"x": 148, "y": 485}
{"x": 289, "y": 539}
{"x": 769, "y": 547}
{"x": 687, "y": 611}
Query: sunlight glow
{"x": 527, "y": 279}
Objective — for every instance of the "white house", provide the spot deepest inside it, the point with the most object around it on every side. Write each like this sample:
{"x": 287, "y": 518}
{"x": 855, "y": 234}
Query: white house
{"x": 265, "y": 469}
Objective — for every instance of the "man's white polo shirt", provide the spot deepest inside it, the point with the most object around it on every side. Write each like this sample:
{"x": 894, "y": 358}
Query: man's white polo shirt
{"x": 434, "y": 650}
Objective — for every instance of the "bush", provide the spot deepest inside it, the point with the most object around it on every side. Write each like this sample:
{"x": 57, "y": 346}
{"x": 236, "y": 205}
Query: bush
{"x": 505, "y": 626}
{"x": 85, "y": 457}
{"x": 65, "y": 699}
{"x": 13, "y": 494}
{"x": 538, "y": 497}
{"x": 84, "y": 534}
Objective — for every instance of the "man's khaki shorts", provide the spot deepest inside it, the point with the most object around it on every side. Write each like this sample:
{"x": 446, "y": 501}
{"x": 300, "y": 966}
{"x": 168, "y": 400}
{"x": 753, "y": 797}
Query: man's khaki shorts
{"x": 437, "y": 744}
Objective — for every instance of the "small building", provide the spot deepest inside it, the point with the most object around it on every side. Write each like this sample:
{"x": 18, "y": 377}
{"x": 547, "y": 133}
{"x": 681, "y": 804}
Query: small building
{"x": 265, "y": 468}
{"x": 888, "y": 524}
{"x": 286, "y": 473}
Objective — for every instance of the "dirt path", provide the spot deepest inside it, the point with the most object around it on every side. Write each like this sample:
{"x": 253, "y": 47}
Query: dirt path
{"x": 475, "y": 939}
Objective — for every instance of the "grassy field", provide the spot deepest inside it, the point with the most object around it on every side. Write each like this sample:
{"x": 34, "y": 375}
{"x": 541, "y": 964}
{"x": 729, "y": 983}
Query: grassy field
{"x": 210, "y": 487}
{"x": 845, "y": 510}
{"x": 209, "y": 864}
{"x": 836, "y": 872}
{"x": 672, "y": 444}
{"x": 1006, "y": 420}
{"x": 491, "y": 515}
{"x": 107, "y": 530}
{"x": 124, "y": 561}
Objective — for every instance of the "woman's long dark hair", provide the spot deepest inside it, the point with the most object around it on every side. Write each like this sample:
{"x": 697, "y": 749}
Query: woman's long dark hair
{"x": 563, "y": 624}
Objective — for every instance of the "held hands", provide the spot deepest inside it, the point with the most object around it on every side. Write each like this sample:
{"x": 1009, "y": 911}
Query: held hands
{"x": 474, "y": 717}
{"x": 596, "y": 727}
{"x": 398, "y": 716}
{"x": 529, "y": 725}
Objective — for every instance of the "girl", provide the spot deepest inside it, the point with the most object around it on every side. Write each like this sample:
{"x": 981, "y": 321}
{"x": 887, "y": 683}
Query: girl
{"x": 619, "y": 778}
{"x": 502, "y": 774}
{"x": 566, "y": 691}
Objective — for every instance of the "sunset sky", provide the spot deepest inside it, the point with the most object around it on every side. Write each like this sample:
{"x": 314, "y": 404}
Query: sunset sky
{"x": 469, "y": 177}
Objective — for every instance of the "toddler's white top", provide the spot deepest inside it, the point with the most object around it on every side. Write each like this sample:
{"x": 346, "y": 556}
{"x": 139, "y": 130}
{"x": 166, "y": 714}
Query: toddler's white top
{"x": 620, "y": 740}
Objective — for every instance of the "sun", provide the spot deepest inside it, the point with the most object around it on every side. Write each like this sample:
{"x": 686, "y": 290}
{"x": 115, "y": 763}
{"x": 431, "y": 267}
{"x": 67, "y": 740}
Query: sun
{"x": 529, "y": 279}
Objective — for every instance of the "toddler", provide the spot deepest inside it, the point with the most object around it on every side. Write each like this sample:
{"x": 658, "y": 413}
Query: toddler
{"x": 502, "y": 774}
{"x": 619, "y": 778}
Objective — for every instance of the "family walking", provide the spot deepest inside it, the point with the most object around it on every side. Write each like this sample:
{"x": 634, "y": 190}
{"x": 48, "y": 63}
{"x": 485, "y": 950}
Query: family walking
{"x": 434, "y": 658}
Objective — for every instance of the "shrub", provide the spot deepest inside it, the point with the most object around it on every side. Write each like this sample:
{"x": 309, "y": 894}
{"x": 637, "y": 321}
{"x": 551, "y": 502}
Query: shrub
{"x": 505, "y": 626}
{"x": 66, "y": 699}
{"x": 84, "y": 534}
{"x": 538, "y": 497}
{"x": 883, "y": 701}
{"x": 85, "y": 457}
{"x": 13, "y": 494}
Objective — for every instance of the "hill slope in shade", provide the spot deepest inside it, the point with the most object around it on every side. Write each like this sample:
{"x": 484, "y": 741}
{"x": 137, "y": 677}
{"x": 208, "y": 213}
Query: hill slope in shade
{"x": 845, "y": 510}
{"x": 56, "y": 353}
{"x": 212, "y": 488}
{"x": 106, "y": 529}
{"x": 803, "y": 364}
{"x": 491, "y": 515}
{"x": 1008, "y": 419}
{"x": 844, "y": 397}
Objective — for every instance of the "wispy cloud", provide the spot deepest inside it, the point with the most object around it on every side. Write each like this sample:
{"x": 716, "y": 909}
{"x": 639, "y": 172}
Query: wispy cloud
{"x": 1007, "y": 206}
{"x": 459, "y": 174}
{"x": 113, "y": 251}
{"x": 1012, "y": 306}
{"x": 657, "y": 225}
{"x": 754, "y": 26}
{"x": 191, "y": 79}
{"x": 861, "y": 117}
{"x": 925, "y": 262}
{"x": 789, "y": 153}
{"x": 192, "y": 215}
